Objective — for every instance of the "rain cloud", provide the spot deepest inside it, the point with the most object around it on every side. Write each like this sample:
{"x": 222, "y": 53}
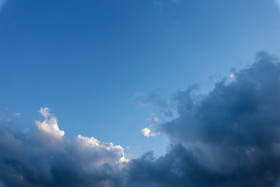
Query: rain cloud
{"x": 229, "y": 137}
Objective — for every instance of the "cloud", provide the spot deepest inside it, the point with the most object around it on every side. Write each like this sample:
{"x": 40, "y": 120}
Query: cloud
{"x": 147, "y": 132}
{"x": 45, "y": 112}
{"x": 229, "y": 137}
{"x": 49, "y": 126}
{"x": 107, "y": 153}
{"x": 45, "y": 157}
{"x": 232, "y": 77}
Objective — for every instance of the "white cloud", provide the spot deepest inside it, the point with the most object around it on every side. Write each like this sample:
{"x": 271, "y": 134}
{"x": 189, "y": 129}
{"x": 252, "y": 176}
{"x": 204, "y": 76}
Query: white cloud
{"x": 90, "y": 161}
{"x": 232, "y": 77}
{"x": 49, "y": 126}
{"x": 100, "y": 153}
{"x": 147, "y": 132}
{"x": 45, "y": 112}
{"x": 93, "y": 152}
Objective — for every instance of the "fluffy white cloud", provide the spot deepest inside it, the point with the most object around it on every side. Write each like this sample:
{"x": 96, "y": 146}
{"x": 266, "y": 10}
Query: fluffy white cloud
{"x": 45, "y": 112}
{"x": 49, "y": 126}
{"x": 147, "y": 132}
{"x": 99, "y": 153}
{"x": 90, "y": 150}
{"x": 48, "y": 158}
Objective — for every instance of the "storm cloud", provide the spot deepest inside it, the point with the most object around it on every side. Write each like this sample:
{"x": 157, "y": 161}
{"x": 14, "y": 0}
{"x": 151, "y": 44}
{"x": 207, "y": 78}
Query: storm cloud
{"x": 229, "y": 137}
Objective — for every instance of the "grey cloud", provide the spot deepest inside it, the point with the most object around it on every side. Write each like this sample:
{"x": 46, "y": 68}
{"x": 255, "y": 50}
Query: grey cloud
{"x": 243, "y": 113}
{"x": 38, "y": 159}
{"x": 228, "y": 138}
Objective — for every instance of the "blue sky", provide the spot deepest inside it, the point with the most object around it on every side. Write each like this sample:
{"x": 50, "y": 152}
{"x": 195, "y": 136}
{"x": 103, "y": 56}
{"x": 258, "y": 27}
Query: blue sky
{"x": 94, "y": 63}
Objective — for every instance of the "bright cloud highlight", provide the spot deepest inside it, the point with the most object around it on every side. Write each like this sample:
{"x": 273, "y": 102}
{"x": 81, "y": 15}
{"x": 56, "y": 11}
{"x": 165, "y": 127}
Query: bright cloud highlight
{"x": 49, "y": 125}
{"x": 147, "y": 132}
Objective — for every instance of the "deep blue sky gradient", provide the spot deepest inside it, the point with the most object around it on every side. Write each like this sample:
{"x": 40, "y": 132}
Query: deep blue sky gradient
{"x": 86, "y": 60}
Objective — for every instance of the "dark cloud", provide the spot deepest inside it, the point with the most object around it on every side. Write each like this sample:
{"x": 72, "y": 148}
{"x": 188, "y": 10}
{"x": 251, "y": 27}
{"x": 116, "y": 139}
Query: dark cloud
{"x": 228, "y": 138}
{"x": 43, "y": 157}
{"x": 231, "y": 137}
{"x": 242, "y": 113}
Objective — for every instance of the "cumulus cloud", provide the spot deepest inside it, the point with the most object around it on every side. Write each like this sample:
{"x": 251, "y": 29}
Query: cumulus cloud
{"x": 49, "y": 126}
{"x": 147, "y": 132}
{"x": 45, "y": 112}
{"x": 107, "y": 153}
{"x": 229, "y": 137}
{"x": 44, "y": 157}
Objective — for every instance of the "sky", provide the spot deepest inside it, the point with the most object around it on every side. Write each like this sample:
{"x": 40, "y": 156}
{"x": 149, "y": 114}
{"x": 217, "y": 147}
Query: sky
{"x": 131, "y": 88}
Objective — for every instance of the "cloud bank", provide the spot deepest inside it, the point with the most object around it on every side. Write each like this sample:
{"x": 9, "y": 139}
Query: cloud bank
{"x": 45, "y": 157}
{"x": 230, "y": 137}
